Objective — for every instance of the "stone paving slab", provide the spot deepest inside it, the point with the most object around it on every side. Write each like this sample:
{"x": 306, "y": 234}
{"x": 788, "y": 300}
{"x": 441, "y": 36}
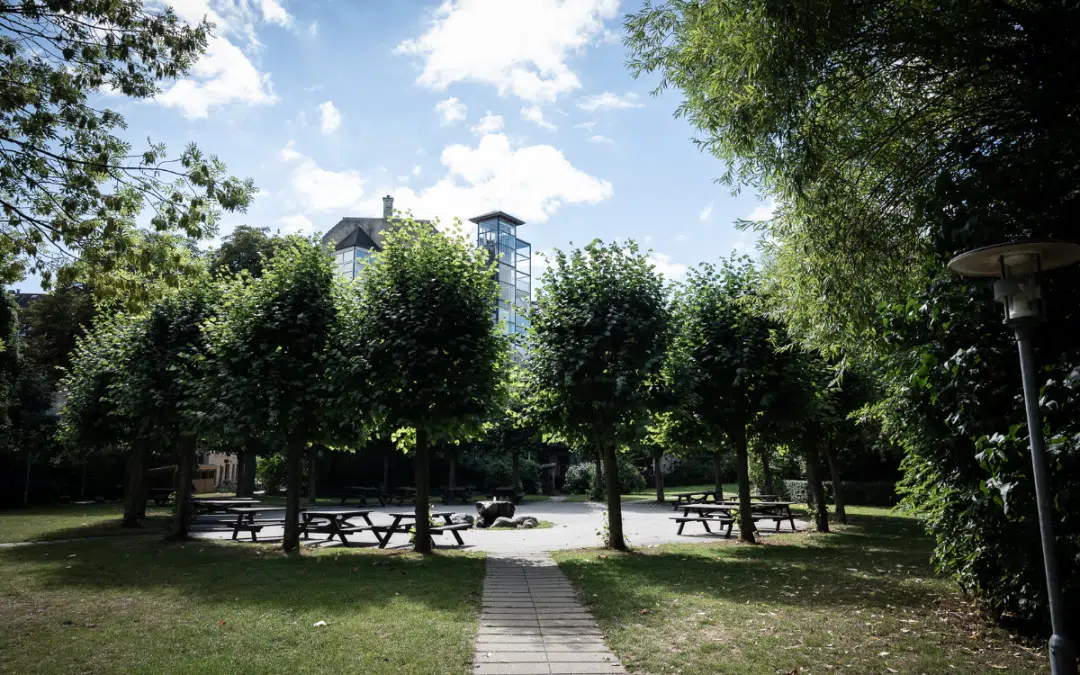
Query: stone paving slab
{"x": 532, "y": 623}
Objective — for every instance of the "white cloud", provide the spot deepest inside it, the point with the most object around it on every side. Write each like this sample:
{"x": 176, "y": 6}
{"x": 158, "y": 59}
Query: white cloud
{"x": 535, "y": 115}
{"x": 461, "y": 44}
{"x": 587, "y": 126}
{"x": 706, "y": 213}
{"x": 451, "y": 110}
{"x": 272, "y": 12}
{"x": 597, "y": 138}
{"x": 223, "y": 75}
{"x": 610, "y": 101}
{"x": 289, "y": 152}
{"x": 540, "y": 262}
{"x": 763, "y": 212}
{"x": 313, "y": 29}
{"x": 488, "y": 124}
{"x": 531, "y": 182}
{"x": 671, "y": 270}
{"x": 296, "y": 224}
{"x": 331, "y": 117}
{"x": 417, "y": 169}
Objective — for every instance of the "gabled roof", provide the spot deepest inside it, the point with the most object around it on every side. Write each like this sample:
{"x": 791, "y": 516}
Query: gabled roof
{"x": 358, "y": 238}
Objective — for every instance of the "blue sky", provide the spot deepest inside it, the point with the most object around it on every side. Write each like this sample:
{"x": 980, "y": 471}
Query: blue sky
{"x": 454, "y": 108}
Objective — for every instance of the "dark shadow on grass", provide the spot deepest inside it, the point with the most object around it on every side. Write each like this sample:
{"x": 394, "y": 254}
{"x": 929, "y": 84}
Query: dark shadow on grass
{"x": 231, "y": 574}
{"x": 870, "y": 564}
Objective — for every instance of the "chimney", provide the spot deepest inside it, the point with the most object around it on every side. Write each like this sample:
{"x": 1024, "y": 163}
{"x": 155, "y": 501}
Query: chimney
{"x": 387, "y": 207}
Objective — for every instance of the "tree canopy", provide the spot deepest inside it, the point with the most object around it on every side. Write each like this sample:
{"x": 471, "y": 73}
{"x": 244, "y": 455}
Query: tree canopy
{"x": 70, "y": 187}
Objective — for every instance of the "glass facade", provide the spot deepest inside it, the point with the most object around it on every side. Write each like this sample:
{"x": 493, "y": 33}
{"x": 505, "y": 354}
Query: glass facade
{"x": 497, "y": 234}
{"x": 350, "y": 260}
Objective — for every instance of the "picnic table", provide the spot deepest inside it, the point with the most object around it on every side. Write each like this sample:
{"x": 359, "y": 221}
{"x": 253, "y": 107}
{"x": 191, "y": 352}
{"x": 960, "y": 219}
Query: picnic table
{"x": 336, "y": 522}
{"x": 160, "y": 495}
{"x": 361, "y": 495}
{"x": 462, "y": 493}
{"x": 506, "y": 492}
{"x": 402, "y": 495}
{"x": 210, "y": 506}
{"x": 403, "y": 523}
{"x": 683, "y": 498}
{"x": 722, "y": 513}
{"x": 245, "y": 520}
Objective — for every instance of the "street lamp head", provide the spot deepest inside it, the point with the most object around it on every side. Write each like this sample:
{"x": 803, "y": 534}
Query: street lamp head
{"x": 1018, "y": 266}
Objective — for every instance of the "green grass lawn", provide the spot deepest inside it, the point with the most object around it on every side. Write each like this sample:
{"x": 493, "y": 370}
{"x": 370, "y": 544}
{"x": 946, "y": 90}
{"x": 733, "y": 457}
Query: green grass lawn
{"x": 133, "y": 605}
{"x": 862, "y": 600}
{"x": 544, "y": 525}
{"x": 66, "y": 521}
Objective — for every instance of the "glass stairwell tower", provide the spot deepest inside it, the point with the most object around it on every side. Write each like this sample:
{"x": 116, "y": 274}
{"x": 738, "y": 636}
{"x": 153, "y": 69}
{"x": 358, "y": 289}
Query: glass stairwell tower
{"x": 497, "y": 233}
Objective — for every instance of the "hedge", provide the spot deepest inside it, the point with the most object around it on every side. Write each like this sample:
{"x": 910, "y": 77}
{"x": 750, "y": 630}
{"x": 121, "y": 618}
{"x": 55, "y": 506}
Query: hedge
{"x": 860, "y": 493}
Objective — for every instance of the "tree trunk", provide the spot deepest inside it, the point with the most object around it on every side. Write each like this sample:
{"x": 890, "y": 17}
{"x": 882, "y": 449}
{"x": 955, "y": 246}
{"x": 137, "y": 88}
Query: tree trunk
{"x": 742, "y": 469}
{"x": 766, "y": 474}
{"x": 817, "y": 490}
{"x": 718, "y": 476}
{"x": 26, "y": 484}
{"x": 242, "y": 469}
{"x": 184, "y": 471}
{"x": 144, "y": 486}
{"x": 422, "y": 538}
{"x": 597, "y": 489}
{"x": 451, "y": 479}
{"x": 312, "y": 477}
{"x": 658, "y": 475}
{"x": 82, "y": 481}
{"x": 386, "y": 474}
{"x": 294, "y": 457}
{"x": 515, "y": 470}
{"x": 837, "y": 487}
{"x": 614, "y": 499}
{"x": 133, "y": 478}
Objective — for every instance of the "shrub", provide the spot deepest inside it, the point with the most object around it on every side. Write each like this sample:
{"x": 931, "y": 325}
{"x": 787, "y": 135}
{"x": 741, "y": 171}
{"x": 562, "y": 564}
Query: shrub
{"x": 856, "y": 493}
{"x": 580, "y": 477}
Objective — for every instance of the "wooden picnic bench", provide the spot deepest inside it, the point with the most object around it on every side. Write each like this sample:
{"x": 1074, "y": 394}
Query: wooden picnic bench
{"x": 507, "y": 493}
{"x": 160, "y": 496}
{"x": 774, "y": 511}
{"x": 402, "y": 495}
{"x": 398, "y": 526}
{"x": 684, "y": 498}
{"x": 361, "y": 495}
{"x": 462, "y": 493}
{"x": 245, "y": 521}
{"x": 334, "y": 522}
{"x": 211, "y": 506}
{"x": 705, "y": 520}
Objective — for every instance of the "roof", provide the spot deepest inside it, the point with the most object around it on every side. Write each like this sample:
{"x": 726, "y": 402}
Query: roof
{"x": 498, "y": 214}
{"x": 358, "y": 238}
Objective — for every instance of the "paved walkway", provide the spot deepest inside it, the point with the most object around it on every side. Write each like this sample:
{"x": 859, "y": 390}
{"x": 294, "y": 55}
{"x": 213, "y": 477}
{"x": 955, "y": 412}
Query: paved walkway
{"x": 533, "y": 624}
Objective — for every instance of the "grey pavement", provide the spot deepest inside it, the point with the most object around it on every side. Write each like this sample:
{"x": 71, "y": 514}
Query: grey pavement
{"x": 532, "y": 623}
{"x": 576, "y": 525}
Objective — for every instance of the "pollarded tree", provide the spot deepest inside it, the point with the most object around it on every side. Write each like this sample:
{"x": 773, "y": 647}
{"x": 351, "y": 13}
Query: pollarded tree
{"x": 599, "y": 334}
{"x": 90, "y": 420}
{"x": 723, "y": 363}
{"x": 160, "y": 393}
{"x": 269, "y": 343}
{"x": 424, "y": 327}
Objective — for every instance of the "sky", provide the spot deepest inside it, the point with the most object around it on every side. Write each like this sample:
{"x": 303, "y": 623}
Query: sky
{"x": 454, "y": 108}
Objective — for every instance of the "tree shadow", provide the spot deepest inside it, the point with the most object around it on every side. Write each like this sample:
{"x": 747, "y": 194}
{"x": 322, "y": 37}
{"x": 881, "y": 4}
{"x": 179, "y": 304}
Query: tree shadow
{"x": 228, "y": 573}
{"x": 871, "y": 564}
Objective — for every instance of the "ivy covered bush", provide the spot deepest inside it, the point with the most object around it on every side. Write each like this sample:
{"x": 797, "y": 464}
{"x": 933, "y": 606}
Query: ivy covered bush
{"x": 580, "y": 478}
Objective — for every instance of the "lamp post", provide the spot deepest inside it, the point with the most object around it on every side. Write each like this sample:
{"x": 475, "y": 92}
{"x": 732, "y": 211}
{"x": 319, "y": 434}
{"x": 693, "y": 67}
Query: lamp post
{"x": 1018, "y": 267}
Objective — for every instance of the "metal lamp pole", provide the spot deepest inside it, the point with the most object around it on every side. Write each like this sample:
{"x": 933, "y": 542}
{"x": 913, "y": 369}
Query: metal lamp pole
{"x": 1062, "y": 650}
{"x": 1019, "y": 267}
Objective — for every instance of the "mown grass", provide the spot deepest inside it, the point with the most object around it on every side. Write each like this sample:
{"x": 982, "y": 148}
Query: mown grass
{"x": 133, "y": 605}
{"x": 543, "y": 525}
{"x": 861, "y": 600}
{"x": 66, "y": 521}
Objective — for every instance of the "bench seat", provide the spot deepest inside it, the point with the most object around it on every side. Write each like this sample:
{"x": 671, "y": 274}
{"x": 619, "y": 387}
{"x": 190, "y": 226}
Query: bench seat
{"x": 254, "y": 527}
{"x": 705, "y": 520}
